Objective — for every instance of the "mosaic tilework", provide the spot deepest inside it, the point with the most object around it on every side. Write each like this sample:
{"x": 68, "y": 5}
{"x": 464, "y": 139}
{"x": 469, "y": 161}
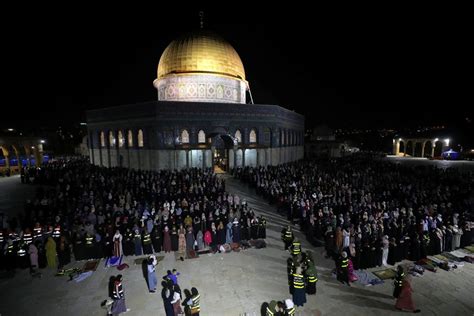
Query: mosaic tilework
{"x": 201, "y": 88}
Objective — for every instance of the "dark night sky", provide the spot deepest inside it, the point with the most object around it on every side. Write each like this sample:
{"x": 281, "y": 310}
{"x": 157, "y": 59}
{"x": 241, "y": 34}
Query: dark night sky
{"x": 360, "y": 67}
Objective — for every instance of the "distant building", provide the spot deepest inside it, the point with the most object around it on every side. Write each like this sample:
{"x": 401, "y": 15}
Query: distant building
{"x": 322, "y": 143}
{"x": 17, "y": 151}
{"x": 428, "y": 147}
{"x": 322, "y": 133}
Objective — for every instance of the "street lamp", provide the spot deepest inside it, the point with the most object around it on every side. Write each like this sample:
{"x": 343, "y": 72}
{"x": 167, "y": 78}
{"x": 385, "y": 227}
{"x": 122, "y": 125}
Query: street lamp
{"x": 10, "y": 129}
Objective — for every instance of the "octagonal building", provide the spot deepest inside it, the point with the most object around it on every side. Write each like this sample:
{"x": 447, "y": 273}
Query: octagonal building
{"x": 201, "y": 118}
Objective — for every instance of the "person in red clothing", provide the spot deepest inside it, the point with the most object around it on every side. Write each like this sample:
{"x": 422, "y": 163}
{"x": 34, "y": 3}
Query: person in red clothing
{"x": 404, "y": 300}
{"x": 207, "y": 238}
{"x": 118, "y": 296}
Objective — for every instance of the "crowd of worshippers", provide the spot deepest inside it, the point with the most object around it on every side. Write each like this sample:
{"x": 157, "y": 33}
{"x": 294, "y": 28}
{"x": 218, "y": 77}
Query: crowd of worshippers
{"x": 378, "y": 212}
{"x": 102, "y": 212}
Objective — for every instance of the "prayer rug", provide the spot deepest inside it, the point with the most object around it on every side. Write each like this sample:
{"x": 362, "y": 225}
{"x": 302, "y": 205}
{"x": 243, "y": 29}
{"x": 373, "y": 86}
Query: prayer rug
{"x": 385, "y": 274}
{"x": 91, "y": 265}
{"x": 441, "y": 257}
{"x": 113, "y": 261}
{"x": 192, "y": 255}
{"x": 83, "y": 276}
{"x": 451, "y": 257}
{"x": 470, "y": 249}
{"x": 63, "y": 272}
{"x": 204, "y": 251}
{"x": 140, "y": 260}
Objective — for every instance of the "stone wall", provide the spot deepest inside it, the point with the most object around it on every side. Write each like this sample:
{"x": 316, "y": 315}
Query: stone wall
{"x": 148, "y": 159}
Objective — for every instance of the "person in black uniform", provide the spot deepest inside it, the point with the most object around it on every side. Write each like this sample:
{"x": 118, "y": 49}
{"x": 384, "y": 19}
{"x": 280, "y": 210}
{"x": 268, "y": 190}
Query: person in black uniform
{"x": 291, "y": 268}
{"x": 262, "y": 227}
{"x": 156, "y": 238}
{"x": 343, "y": 269}
{"x": 287, "y": 236}
{"x": 398, "y": 281}
{"x": 146, "y": 242}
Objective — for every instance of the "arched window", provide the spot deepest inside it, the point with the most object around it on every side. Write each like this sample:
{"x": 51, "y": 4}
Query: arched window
{"x": 252, "y": 136}
{"x": 102, "y": 139}
{"x": 184, "y": 137}
{"x": 121, "y": 140}
{"x": 140, "y": 138}
{"x": 201, "y": 137}
{"x": 238, "y": 135}
{"x": 266, "y": 135}
{"x": 111, "y": 139}
{"x": 130, "y": 138}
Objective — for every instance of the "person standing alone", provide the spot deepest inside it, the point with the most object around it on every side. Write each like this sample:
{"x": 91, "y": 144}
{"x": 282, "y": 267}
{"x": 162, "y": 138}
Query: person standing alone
{"x": 118, "y": 296}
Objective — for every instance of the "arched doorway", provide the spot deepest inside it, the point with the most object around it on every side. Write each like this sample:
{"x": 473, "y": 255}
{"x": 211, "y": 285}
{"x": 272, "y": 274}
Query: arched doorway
{"x": 221, "y": 143}
{"x": 409, "y": 148}
{"x": 418, "y": 149}
{"x": 402, "y": 147}
{"x": 427, "y": 149}
{"x": 4, "y": 162}
{"x": 438, "y": 148}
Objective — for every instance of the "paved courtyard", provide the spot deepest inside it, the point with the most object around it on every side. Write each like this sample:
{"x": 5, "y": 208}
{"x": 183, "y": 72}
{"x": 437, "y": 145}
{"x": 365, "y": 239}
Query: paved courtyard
{"x": 232, "y": 284}
{"x": 13, "y": 195}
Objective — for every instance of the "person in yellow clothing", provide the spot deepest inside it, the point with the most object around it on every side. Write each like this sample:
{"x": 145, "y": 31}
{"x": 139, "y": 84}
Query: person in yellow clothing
{"x": 295, "y": 247}
{"x": 51, "y": 255}
{"x": 299, "y": 293}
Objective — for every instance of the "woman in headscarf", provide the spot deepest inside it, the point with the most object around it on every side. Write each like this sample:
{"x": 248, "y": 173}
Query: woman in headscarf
{"x": 339, "y": 238}
{"x": 33, "y": 252}
{"x": 152, "y": 281}
{"x": 404, "y": 300}
{"x": 166, "y": 240}
{"x": 228, "y": 236}
{"x": 200, "y": 241}
{"x": 174, "y": 238}
{"x": 385, "y": 250}
{"x": 117, "y": 244}
{"x": 51, "y": 255}
{"x": 181, "y": 240}
{"x": 176, "y": 301}
{"x": 64, "y": 252}
{"x": 190, "y": 242}
{"x": 118, "y": 296}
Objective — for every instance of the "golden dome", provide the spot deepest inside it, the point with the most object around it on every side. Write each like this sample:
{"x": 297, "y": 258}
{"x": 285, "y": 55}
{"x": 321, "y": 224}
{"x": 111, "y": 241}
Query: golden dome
{"x": 201, "y": 52}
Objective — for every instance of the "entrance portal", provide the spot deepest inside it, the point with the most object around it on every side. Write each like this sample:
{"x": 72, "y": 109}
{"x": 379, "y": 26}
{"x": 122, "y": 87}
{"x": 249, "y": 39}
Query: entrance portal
{"x": 221, "y": 143}
{"x": 221, "y": 160}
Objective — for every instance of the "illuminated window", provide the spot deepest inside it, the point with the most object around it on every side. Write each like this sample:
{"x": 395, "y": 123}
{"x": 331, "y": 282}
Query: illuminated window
{"x": 185, "y": 137}
{"x": 111, "y": 139}
{"x": 140, "y": 138}
{"x": 238, "y": 135}
{"x": 201, "y": 137}
{"x": 130, "y": 138}
{"x": 121, "y": 140}
{"x": 253, "y": 136}
{"x": 102, "y": 139}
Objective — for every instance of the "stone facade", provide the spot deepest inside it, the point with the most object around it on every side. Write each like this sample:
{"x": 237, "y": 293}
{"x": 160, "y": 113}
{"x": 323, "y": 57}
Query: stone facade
{"x": 165, "y": 135}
